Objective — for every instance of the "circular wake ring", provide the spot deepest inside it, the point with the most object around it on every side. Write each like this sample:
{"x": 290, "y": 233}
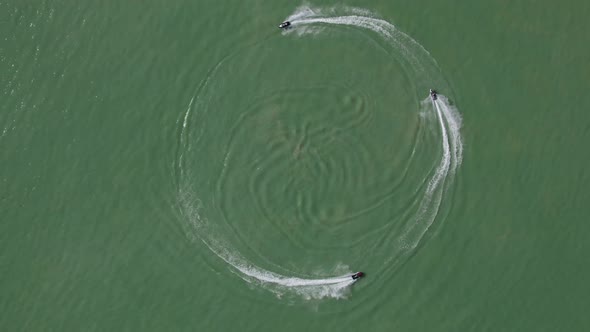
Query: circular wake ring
{"x": 305, "y": 162}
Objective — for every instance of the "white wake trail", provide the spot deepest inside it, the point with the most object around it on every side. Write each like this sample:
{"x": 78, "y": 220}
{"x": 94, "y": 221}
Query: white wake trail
{"x": 426, "y": 74}
{"x": 424, "y": 70}
{"x": 312, "y": 288}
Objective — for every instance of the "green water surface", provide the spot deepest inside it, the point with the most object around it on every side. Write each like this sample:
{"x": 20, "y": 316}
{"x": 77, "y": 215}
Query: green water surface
{"x": 93, "y": 98}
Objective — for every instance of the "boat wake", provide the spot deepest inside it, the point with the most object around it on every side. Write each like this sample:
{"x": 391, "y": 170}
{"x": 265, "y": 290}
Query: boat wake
{"x": 308, "y": 288}
{"x": 425, "y": 74}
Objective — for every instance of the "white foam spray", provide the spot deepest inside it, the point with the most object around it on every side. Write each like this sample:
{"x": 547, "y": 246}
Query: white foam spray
{"x": 425, "y": 72}
{"x": 308, "y": 288}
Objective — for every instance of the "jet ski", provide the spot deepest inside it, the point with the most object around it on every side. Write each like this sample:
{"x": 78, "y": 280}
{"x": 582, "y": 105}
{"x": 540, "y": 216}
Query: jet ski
{"x": 433, "y": 94}
{"x": 285, "y": 25}
{"x": 357, "y": 275}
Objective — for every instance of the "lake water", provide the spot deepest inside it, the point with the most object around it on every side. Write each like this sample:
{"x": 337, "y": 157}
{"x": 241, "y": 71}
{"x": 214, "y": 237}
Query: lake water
{"x": 187, "y": 166}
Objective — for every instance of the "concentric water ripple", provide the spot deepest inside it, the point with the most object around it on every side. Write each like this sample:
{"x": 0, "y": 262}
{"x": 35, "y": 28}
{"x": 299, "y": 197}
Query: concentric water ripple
{"x": 302, "y": 175}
